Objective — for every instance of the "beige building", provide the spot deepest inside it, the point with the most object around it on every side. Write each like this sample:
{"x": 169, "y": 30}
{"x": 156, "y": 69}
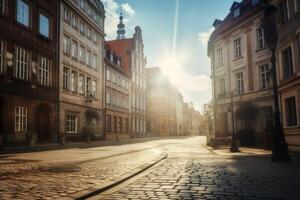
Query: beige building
{"x": 117, "y": 95}
{"x": 240, "y": 63}
{"x": 81, "y": 68}
{"x": 161, "y": 104}
{"x": 288, "y": 68}
{"x": 179, "y": 114}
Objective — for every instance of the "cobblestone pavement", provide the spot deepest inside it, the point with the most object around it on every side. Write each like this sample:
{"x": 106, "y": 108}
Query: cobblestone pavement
{"x": 62, "y": 173}
{"x": 191, "y": 172}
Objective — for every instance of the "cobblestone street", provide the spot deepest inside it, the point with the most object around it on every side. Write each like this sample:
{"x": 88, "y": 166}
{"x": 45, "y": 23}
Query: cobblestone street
{"x": 191, "y": 171}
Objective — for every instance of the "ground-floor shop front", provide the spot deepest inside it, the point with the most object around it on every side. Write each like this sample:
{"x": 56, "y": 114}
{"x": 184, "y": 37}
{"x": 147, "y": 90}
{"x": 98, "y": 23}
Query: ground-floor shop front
{"x": 27, "y": 121}
{"x": 117, "y": 125}
{"x": 80, "y": 123}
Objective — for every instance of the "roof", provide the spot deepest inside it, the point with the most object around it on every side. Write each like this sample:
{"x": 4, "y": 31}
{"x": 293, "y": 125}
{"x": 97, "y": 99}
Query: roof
{"x": 229, "y": 22}
{"x": 123, "y": 48}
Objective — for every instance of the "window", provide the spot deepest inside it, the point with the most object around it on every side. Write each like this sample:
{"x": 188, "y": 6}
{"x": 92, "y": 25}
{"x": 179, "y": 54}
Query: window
{"x": 44, "y": 71}
{"x": 81, "y": 54}
{"x": 254, "y": 2}
{"x": 264, "y": 77}
{"x": 283, "y": 12}
{"x": 260, "y": 38}
{"x": 267, "y": 114}
{"x": 67, "y": 44}
{"x": 94, "y": 88}
{"x": 94, "y": 61}
{"x": 115, "y": 123}
{"x": 74, "y": 49}
{"x": 107, "y": 75}
{"x": 120, "y": 124}
{"x": 95, "y": 36}
{"x": 88, "y": 58}
{"x": 74, "y": 81}
{"x": 44, "y": 25}
{"x": 1, "y": 57}
{"x": 88, "y": 86}
{"x": 240, "y": 83}
{"x": 23, "y": 13}
{"x": 2, "y": 6}
{"x": 222, "y": 86}
{"x": 83, "y": 4}
{"x": 108, "y": 123}
{"x": 20, "y": 119}
{"x": 237, "y": 48}
{"x": 82, "y": 27}
{"x": 22, "y": 63}
{"x": 74, "y": 21}
{"x": 71, "y": 123}
{"x": 81, "y": 84}
{"x": 291, "y": 112}
{"x": 107, "y": 97}
{"x": 89, "y": 33}
{"x": 220, "y": 56}
{"x": 287, "y": 62}
{"x": 66, "y": 78}
{"x": 66, "y": 15}
{"x": 236, "y": 12}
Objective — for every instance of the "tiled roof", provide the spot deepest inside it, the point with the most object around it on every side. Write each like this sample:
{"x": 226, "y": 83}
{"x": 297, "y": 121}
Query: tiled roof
{"x": 246, "y": 10}
{"x": 123, "y": 48}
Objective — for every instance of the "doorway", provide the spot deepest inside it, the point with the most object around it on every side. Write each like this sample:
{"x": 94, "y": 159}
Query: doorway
{"x": 43, "y": 123}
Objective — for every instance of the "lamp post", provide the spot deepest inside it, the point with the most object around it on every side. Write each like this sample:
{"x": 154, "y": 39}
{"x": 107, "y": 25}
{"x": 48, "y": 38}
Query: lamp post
{"x": 279, "y": 149}
{"x": 233, "y": 146}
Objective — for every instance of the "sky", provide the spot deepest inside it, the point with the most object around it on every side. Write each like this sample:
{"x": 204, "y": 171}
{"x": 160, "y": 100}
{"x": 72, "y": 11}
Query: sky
{"x": 175, "y": 34}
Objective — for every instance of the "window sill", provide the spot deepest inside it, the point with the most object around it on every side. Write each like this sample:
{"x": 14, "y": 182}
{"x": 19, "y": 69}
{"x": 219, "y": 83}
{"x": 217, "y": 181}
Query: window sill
{"x": 261, "y": 49}
{"x": 48, "y": 39}
{"x": 237, "y": 59}
{"x": 291, "y": 127}
{"x": 288, "y": 78}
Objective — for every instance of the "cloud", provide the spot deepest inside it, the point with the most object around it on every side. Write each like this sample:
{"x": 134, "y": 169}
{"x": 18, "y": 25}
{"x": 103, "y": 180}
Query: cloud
{"x": 113, "y": 10}
{"x": 204, "y": 37}
{"x": 128, "y": 9}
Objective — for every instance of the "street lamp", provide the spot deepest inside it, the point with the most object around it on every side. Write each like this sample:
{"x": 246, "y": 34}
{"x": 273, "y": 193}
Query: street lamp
{"x": 233, "y": 146}
{"x": 279, "y": 149}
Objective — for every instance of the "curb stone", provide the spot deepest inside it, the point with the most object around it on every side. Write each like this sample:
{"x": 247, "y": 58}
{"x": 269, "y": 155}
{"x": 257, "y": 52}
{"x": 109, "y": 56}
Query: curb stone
{"x": 110, "y": 184}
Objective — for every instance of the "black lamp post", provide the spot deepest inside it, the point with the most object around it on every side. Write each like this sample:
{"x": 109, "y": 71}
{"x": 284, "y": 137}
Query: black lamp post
{"x": 279, "y": 149}
{"x": 233, "y": 146}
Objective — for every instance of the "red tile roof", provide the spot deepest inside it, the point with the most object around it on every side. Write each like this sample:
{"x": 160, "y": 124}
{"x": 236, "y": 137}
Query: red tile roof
{"x": 123, "y": 48}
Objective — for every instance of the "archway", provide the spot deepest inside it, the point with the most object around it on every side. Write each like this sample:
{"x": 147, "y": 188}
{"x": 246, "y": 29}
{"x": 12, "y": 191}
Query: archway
{"x": 43, "y": 123}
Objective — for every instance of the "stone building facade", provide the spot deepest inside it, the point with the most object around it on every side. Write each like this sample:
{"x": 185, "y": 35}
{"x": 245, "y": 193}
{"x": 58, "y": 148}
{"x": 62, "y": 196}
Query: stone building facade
{"x": 28, "y": 71}
{"x": 161, "y": 104}
{"x": 240, "y": 63}
{"x": 117, "y": 95}
{"x": 179, "y": 114}
{"x": 131, "y": 51}
{"x": 288, "y": 68}
{"x": 81, "y": 69}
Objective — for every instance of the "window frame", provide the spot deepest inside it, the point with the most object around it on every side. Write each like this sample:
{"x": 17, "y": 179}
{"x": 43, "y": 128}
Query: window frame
{"x": 289, "y": 123}
{"x": 29, "y": 4}
{"x": 66, "y": 78}
{"x": 237, "y": 48}
{"x": 263, "y": 76}
{"x": 68, "y": 121}
{"x": 21, "y": 119}
{"x": 46, "y": 72}
{"x": 260, "y": 39}
{"x": 240, "y": 83}
{"x": 41, "y": 12}
{"x": 17, "y": 69}
{"x": 292, "y": 70}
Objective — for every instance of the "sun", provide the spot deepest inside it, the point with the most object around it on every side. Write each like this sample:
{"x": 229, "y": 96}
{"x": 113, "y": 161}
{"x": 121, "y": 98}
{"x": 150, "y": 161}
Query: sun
{"x": 172, "y": 67}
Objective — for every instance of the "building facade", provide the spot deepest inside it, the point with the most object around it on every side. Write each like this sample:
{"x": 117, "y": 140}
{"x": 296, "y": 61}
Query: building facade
{"x": 131, "y": 51}
{"x": 240, "y": 63}
{"x": 288, "y": 68}
{"x": 81, "y": 69}
{"x": 161, "y": 104}
{"x": 179, "y": 114}
{"x": 187, "y": 119}
{"x": 28, "y": 71}
{"x": 117, "y": 95}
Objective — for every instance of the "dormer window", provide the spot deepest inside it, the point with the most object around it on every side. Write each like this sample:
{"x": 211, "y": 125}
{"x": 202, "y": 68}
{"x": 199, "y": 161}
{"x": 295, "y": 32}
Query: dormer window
{"x": 111, "y": 56}
{"x": 236, "y": 12}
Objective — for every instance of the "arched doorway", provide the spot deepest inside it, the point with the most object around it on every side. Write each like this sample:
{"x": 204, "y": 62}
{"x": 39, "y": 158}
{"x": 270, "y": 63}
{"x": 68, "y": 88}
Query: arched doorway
{"x": 43, "y": 123}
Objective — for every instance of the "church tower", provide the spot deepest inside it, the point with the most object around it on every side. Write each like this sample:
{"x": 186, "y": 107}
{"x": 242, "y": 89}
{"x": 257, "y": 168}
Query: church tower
{"x": 121, "y": 28}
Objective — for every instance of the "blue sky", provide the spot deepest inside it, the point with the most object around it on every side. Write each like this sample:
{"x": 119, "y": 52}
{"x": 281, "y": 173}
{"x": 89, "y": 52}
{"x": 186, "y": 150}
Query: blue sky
{"x": 183, "y": 59}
